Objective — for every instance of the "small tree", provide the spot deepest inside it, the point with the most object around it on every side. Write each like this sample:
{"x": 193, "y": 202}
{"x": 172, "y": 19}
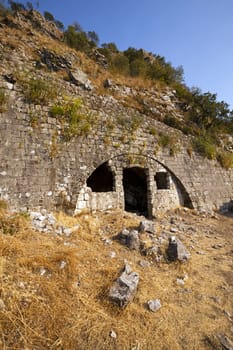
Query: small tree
{"x": 93, "y": 36}
{"x": 29, "y": 5}
{"x": 120, "y": 64}
{"x": 16, "y": 6}
{"x": 48, "y": 16}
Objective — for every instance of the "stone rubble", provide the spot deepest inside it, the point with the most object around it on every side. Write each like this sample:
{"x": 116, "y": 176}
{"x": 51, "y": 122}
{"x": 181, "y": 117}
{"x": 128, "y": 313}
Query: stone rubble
{"x": 46, "y": 222}
{"x": 176, "y": 250}
{"x": 154, "y": 305}
{"x": 147, "y": 226}
{"x": 226, "y": 343}
{"x": 124, "y": 288}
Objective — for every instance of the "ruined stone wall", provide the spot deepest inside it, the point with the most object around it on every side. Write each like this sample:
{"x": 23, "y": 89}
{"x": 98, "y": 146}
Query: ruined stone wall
{"x": 39, "y": 169}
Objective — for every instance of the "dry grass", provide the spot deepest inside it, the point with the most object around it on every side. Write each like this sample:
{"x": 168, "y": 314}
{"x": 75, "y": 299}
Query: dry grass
{"x": 50, "y": 307}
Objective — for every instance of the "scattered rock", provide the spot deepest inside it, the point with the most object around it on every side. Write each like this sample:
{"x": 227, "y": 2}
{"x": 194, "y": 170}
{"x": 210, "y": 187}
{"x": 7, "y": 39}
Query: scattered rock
{"x": 42, "y": 271}
{"x": 154, "y": 305}
{"x": 124, "y": 288}
{"x": 200, "y": 252}
{"x": 112, "y": 254}
{"x": 99, "y": 58}
{"x": 225, "y": 342}
{"x": 9, "y": 78}
{"x": 53, "y": 61}
{"x": 217, "y": 246}
{"x": 46, "y": 222}
{"x": 63, "y": 264}
{"x": 133, "y": 241}
{"x": 122, "y": 236}
{"x": 147, "y": 226}
{"x": 176, "y": 250}
{"x": 130, "y": 239}
{"x": 113, "y": 334}
{"x": 108, "y": 83}
{"x": 180, "y": 282}
{"x": 144, "y": 263}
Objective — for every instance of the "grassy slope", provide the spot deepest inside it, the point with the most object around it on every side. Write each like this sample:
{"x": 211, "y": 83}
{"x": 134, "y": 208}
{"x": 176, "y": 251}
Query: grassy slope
{"x": 69, "y": 308}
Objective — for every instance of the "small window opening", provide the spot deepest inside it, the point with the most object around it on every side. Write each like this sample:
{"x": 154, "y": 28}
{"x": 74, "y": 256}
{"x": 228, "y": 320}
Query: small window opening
{"x": 102, "y": 179}
{"x": 162, "y": 180}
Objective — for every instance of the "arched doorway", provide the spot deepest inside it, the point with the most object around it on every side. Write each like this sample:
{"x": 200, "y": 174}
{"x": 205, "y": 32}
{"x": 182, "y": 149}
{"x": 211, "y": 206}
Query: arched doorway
{"x": 102, "y": 179}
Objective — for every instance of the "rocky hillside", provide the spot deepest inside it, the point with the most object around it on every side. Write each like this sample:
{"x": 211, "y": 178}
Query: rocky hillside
{"x": 33, "y": 48}
{"x": 59, "y": 287}
{"x": 109, "y": 280}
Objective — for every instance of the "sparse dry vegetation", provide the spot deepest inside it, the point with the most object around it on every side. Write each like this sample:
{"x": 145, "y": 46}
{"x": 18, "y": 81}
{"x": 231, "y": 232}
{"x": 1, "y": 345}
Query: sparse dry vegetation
{"x": 54, "y": 289}
{"x": 3, "y": 100}
{"x": 39, "y": 91}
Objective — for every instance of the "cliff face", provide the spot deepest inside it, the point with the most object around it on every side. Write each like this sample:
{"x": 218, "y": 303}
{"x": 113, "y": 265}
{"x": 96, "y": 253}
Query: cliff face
{"x": 66, "y": 124}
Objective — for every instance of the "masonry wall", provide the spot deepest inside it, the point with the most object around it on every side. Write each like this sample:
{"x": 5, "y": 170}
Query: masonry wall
{"x": 39, "y": 169}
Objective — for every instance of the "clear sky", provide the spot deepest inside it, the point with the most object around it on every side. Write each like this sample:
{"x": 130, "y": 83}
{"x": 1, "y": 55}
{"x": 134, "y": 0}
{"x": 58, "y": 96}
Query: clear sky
{"x": 197, "y": 34}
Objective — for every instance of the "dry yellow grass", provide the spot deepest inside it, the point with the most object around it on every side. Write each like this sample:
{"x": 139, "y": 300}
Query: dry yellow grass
{"x": 46, "y": 305}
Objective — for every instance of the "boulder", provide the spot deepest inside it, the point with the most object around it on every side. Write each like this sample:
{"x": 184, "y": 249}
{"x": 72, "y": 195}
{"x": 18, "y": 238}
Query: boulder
{"x": 133, "y": 241}
{"x": 130, "y": 239}
{"x": 123, "y": 236}
{"x": 108, "y": 83}
{"x": 53, "y": 61}
{"x": 124, "y": 288}
{"x": 79, "y": 78}
{"x": 176, "y": 250}
{"x": 147, "y": 226}
{"x": 225, "y": 342}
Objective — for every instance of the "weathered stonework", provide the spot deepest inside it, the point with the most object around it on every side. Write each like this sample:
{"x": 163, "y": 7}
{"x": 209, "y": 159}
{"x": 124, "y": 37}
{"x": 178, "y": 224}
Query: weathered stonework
{"x": 38, "y": 168}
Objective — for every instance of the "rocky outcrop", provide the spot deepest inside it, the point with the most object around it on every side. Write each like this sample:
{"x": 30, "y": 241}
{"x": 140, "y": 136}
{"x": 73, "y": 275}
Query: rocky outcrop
{"x": 176, "y": 250}
{"x": 124, "y": 289}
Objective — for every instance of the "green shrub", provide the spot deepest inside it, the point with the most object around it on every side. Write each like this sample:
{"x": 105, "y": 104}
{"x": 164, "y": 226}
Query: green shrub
{"x": 130, "y": 124}
{"x": 163, "y": 140}
{"x": 152, "y": 131}
{"x": 120, "y": 64}
{"x": 225, "y": 159}
{"x": 205, "y": 147}
{"x": 169, "y": 141}
{"x": 76, "y": 123}
{"x": 39, "y": 91}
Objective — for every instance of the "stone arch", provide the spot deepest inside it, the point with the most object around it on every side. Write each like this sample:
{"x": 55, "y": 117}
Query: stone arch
{"x": 162, "y": 188}
{"x": 102, "y": 179}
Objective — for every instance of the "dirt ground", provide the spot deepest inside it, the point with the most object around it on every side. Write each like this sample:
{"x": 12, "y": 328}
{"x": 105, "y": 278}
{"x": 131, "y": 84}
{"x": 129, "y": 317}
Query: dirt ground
{"x": 54, "y": 288}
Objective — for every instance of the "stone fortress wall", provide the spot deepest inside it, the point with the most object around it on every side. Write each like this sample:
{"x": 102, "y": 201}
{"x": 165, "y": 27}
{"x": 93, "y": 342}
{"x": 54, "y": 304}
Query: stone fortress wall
{"x": 116, "y": 165}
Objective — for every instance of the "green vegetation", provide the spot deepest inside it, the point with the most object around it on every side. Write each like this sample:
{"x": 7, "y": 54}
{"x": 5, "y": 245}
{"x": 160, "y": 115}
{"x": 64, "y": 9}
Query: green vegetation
{"x": 225, "y": 159}
{"x": 49, "y": 17}
{"x": 205, "y": 118}
{"x": 129, "y": 124}
{"x": 168, "y": 141}
{"x": 75, "y": 122}
{"x": 152, "y": 131}
{"x": 80, "y": 40}
{"x": 205, "y": 146}
{"x": 38, "y": 91}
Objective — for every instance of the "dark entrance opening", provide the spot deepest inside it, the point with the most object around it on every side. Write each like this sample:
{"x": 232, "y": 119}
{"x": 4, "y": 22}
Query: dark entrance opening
{"x": 135, "y": 190}
{"x": 162, "y": 180}
{"x": 102, "y": 179}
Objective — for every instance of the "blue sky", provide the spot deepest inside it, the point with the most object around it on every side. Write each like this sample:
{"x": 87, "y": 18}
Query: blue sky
{"x": 197, "y": 34}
